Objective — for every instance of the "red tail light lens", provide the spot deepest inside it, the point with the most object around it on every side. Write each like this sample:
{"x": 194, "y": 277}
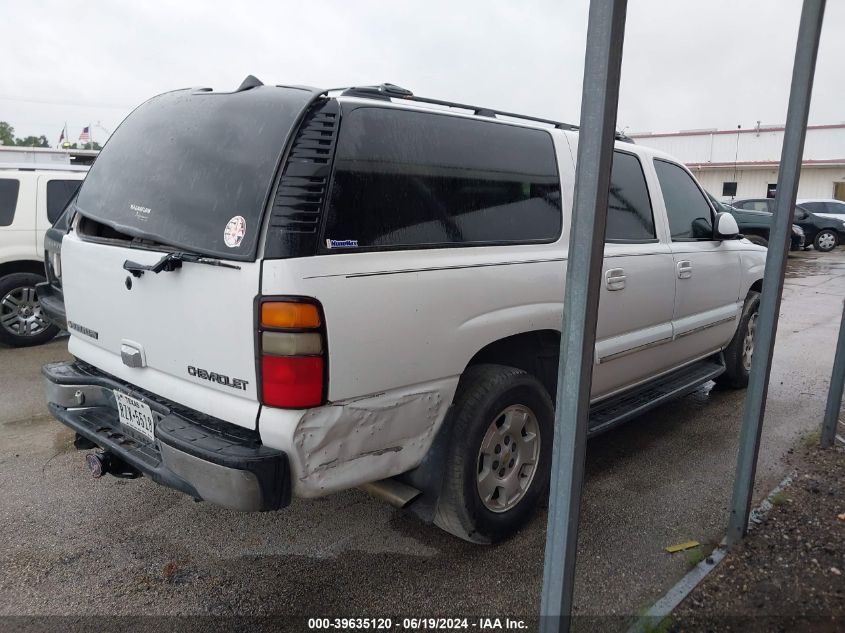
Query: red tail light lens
{"x": 293, "y": 351}
{"x": 294, "y": 382}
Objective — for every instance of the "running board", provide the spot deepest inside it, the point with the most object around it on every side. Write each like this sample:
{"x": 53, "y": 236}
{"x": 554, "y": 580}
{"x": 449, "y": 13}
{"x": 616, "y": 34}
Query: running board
{"x": 618, "y": 409}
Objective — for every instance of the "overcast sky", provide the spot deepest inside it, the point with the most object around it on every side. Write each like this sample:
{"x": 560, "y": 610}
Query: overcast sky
{"x": 688, "y": 63}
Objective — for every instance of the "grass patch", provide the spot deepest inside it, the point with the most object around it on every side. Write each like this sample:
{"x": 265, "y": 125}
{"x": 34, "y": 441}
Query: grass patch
{"x": 694, "y": 556}
{"x": 779, "y": 498}
{"x": 812, "y": 439}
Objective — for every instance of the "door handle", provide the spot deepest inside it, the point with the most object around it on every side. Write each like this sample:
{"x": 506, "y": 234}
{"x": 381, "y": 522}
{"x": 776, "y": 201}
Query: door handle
{"x": 684, "y": 269}
{"x": 615, "y": 279}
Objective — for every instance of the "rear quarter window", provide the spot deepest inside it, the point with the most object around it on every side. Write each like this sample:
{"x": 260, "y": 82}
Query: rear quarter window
{"x": 59, "y": 193}
{"x": 9, "y": 188}
{"x": 407, "y": 179}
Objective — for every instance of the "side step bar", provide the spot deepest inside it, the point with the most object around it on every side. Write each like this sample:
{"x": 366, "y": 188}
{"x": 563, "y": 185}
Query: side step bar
{"x": 621, "y": 408}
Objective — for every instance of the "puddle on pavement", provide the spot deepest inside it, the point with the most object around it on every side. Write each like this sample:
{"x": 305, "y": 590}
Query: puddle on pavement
{"x": 799, "y": 267}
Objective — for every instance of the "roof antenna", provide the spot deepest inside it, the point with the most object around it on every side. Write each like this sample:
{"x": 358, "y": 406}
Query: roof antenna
{"x": 251, "y": 81}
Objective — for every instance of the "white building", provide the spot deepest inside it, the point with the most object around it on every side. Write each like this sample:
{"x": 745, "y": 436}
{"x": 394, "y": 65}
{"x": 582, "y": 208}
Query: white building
{"x": 744, "y": 163}
{"x": 21, "y": 155}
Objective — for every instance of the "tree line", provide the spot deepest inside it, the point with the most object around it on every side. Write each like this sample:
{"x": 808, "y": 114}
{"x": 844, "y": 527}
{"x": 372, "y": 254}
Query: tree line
{"x": 8, "y": 138}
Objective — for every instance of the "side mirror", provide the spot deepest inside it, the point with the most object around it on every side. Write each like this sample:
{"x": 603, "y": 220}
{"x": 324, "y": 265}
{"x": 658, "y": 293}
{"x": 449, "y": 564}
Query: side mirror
{"x": 726, "y": 227}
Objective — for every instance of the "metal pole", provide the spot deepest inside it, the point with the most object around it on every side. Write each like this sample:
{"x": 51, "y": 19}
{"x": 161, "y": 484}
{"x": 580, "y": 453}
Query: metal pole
{"x": 803, "y": 70}
{"x": 834, "y": 394}
{"x": 602, "y": 65}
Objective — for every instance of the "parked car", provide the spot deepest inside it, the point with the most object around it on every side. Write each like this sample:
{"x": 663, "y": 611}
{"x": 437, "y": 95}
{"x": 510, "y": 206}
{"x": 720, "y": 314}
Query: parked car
{"x": 285, "y": 291}
{"x": 823, "y": 233}
{"x": 824, "y": 207}
{"x": 31, "y": 199}
{"x": 755, "y": 226}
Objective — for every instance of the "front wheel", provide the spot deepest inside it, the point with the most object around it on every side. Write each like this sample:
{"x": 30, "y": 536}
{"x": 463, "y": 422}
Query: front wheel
{"x": 499, "y": 456}
{"x": 826, "y": 241}
{"x": 740, "y": 351}
{"x": 22, "y": 322}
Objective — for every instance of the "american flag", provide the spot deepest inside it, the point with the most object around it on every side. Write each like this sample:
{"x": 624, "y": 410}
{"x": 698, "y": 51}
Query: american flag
{"x": 85, "y": 135}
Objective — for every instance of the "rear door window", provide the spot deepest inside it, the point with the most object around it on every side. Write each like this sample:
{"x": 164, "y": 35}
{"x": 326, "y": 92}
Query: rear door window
{"x": 9, "y": 188}
{"x": 629, "y": 214}
{"x": 407, "y": 179}
{"x": 690, "y": 215}
{"x": 59, "y": 193}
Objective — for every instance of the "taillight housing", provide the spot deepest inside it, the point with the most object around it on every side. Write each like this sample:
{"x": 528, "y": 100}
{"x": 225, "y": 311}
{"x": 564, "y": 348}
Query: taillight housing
{"x": 291, "y": 340}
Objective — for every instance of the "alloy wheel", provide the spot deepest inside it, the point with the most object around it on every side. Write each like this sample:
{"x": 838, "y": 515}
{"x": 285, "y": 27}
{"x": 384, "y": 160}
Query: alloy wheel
{"x": 748, "y": 342}
{"x": 20, "y": 312}
{"x": 508, "y": 458}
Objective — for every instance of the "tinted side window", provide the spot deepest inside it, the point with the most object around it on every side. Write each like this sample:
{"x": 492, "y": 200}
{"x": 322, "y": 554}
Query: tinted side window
{"x": 405, "y": 179}
{"x": 9, "y": 188}
{"x": 814, "y": 207}
{"x": 690, "y": 216}
{"x": 629, "y": 215}
{"x": 59, "y": 192}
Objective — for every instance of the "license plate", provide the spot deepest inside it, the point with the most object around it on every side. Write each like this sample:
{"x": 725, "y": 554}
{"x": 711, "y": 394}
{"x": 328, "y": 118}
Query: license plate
{"x": 135, "y": 414}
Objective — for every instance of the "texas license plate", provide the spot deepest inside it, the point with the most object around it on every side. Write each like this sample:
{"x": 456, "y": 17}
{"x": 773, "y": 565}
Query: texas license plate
{"x": 135, "y": 414}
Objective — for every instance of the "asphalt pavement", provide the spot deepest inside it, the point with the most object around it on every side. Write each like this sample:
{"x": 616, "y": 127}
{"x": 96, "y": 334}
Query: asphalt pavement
{"x": 72, "y": 545}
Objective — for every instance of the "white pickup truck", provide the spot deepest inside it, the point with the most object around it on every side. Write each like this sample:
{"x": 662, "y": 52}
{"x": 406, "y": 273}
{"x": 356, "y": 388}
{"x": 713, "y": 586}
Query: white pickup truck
{"x": 281, "y": 291}
{"x": 32, "y": 197}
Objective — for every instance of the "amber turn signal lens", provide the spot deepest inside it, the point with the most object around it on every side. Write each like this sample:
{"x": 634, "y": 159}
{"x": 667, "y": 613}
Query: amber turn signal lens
{"x": 289, "y": 315}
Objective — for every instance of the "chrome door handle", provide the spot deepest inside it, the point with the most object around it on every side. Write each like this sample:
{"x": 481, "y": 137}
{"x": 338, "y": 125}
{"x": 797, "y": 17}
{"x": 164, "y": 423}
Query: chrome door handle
{"x": 615, "y": 279}
{"x": 684, "y": 269}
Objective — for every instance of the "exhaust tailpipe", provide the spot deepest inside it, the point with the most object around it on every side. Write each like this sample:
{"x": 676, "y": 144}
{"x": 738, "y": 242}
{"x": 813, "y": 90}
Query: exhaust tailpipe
{"x": 392, "y": 491}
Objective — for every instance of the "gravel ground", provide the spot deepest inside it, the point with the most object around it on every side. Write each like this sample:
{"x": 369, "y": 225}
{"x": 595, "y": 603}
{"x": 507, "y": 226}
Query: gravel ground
{"x": 789, "y": 573}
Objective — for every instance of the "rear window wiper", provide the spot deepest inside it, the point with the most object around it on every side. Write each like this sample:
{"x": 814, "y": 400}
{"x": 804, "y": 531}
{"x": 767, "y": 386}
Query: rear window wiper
{"x": 173, "y": 261}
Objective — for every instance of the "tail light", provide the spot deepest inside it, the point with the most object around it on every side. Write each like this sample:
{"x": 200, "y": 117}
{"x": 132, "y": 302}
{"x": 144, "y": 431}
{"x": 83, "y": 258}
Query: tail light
{"x": 292, "y": 348}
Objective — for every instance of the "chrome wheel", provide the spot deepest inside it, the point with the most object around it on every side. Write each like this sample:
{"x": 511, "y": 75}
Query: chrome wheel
{"x": 748, "y": 342}
{"x": 508, "y": 458}
{"x": 20, "y": 312}
{"x": 826, "y": 241}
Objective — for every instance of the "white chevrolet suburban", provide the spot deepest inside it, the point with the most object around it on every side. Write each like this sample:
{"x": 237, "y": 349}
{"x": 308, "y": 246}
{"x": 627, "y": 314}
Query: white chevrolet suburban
{"x": 32, "y": 198}
{"x": 284, "y": 291}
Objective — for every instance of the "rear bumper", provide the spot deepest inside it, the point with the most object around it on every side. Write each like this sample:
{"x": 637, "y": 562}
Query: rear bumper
{"x": 201, "y": 456}
{"x": 52, "y": 303}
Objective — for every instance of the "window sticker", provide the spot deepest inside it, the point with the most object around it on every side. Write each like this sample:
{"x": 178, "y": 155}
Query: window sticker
{"x": 234, "y": 233}
{"x": 341, "y": 243}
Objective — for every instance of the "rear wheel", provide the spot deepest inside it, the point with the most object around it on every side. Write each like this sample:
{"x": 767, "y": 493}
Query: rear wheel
{"x": 739, "y": 353}
{"x": 499, "y": 457}
{"x": 826, "y": 241}
{"x": 22, "y": 322}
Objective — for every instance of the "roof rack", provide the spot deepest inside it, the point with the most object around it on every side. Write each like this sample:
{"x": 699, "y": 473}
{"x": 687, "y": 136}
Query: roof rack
{"x": 390, "y": 91}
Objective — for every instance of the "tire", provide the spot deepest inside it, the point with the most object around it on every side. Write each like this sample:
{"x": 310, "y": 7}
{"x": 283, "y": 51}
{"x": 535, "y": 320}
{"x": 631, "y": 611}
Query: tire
{"x": 737, "y": 355}
{"x": 826, "y": 240}
{"x": 756, "y": 239}
{"x": 488, "y": 398}
{"x": 20, "y": 312}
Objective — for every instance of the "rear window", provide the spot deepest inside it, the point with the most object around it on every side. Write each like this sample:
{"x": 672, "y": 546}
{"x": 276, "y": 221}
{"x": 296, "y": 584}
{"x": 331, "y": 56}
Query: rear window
{"x": 413, "y": 179}
{"x": 9, "y": 188}
{"x": 59, "y": 193}
{"x": 192, "y": 169}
